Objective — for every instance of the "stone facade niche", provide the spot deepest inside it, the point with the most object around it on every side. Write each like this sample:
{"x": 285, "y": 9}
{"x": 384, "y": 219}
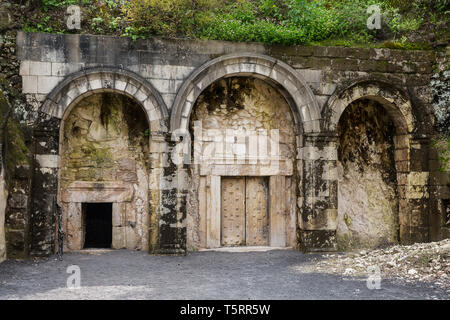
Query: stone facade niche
{"x": 367, "y": 192}
{"x": 105, "y": 159}
{"x": 243, "y": 180}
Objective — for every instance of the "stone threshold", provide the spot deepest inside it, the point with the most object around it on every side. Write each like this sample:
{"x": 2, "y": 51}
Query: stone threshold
{"x": 246, "y": 249}
{"x": 93, "y": 251}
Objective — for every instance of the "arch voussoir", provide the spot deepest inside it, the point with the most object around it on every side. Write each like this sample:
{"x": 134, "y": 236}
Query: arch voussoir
{"x": 88, "y": 81}
{"x": 248, "y": 64}
{"x": 395, "y": 101}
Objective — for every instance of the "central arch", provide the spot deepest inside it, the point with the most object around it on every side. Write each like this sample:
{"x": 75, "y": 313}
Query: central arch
{"x": 292, "y": 86}
{"x": 211, "y": 180}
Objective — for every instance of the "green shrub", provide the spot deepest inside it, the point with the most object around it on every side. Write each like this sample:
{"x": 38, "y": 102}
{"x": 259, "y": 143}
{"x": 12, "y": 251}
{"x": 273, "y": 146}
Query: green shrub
{"x": 287, "y": 22}
{"x": 165, "y": 17}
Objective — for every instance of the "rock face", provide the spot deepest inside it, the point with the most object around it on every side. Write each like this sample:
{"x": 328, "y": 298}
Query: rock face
{"x": 105, "y": 159}
{"x": 367, "y": 195}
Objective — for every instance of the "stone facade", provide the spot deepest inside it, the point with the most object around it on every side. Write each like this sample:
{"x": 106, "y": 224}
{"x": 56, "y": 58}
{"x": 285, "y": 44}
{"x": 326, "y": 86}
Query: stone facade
{"x": 171, "y": 81}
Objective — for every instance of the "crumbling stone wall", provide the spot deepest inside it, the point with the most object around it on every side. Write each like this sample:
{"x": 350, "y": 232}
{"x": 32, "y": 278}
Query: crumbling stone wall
{"x": 243, "y": 107}
{"x": 105, "y": 139}
{"x": 367, "y": 190}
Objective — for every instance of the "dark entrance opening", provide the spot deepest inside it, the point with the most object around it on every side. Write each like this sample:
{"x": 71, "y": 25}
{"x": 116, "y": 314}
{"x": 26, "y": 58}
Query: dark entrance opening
{"x": 98, "y": 225}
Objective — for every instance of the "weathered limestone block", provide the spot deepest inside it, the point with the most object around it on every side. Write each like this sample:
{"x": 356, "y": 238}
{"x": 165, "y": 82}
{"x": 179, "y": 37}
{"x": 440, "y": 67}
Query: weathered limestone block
{"x": 18, "y": 201}
{"x": 318, "y": 240}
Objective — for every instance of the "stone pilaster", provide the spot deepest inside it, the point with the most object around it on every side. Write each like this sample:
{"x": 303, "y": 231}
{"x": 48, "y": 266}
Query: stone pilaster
{"x": 414, "y": 193}
{"x": 167, "y": 198}
{"x": 318, "y": 202}
{"x": 17, "y": 220}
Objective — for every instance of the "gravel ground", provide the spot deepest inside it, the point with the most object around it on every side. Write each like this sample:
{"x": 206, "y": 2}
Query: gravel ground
{"x": 425, "y": 262}
{"x": 122, "y": 274}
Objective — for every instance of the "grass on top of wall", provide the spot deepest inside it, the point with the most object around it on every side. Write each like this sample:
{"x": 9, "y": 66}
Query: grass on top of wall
{"x": 413, "y": 24}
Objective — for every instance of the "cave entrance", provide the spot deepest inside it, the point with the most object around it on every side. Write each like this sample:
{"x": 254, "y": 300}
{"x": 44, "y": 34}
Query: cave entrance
{"x": 97, "y": 225}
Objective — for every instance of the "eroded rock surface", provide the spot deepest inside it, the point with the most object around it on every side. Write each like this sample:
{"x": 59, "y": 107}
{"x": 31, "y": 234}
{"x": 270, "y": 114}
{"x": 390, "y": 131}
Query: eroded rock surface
{"x": 367, "y": 196}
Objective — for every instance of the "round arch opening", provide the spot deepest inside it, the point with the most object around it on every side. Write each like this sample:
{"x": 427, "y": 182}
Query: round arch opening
{"x": 368, "y": 191}
{"x": 243, "y": 177}
{"x": 104, "y": 172}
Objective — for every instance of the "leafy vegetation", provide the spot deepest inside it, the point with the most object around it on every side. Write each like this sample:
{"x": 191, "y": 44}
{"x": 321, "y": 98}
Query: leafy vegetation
{"x": 406, "y": 24}
{"x": 13, "y": 150}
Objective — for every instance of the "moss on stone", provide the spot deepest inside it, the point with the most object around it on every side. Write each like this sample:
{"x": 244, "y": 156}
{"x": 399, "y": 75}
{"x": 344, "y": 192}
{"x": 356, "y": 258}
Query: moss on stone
{"x": 17, "y": 152}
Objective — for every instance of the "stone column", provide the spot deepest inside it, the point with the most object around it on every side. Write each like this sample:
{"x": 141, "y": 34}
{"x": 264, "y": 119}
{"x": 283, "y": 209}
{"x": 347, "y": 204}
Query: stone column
{"x": 319, "y": 197}
{"x": 44, "y": 191}
{"x": 414, "y": 193}
{"x": 158, "y": 147}
{"x": 17, "y": 214}
{"x": 167, "y": 198}
{"x": 439, "y": 219}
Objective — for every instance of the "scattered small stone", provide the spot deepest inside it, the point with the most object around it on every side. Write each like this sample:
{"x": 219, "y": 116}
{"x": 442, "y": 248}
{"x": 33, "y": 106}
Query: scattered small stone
{"x": 412, "y": 271}
{"x": 349, "y": 271}
{"x": 424, "y": 262}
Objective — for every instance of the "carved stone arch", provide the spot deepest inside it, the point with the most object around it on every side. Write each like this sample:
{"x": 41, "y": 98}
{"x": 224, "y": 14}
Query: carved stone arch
{"x": 290, "y": 83}
{"x": 83, "y": 83}
{"x": 60, "y": 103}
{"x": 396, "y": 102}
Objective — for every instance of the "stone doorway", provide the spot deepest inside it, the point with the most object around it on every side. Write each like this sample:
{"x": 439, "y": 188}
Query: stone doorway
{"x": 245, "y": 214}
{"x": 105, "y": 159}
{"x": 244, "y": 150}
{"x": 97, "y": 225}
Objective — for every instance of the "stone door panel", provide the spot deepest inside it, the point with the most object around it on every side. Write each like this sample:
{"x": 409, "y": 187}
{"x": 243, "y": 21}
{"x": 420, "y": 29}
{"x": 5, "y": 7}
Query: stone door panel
{"x": 233, "y": 212}
{"x": 257, "y": 228}
{"x": 244, "y": 217}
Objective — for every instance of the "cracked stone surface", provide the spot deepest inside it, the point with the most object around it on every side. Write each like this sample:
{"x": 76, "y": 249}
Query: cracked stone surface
{"x": 123, "y": 274}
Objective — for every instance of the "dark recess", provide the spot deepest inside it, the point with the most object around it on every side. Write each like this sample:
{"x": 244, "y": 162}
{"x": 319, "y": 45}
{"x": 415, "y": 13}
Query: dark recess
{"x": 98, "y": 222}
